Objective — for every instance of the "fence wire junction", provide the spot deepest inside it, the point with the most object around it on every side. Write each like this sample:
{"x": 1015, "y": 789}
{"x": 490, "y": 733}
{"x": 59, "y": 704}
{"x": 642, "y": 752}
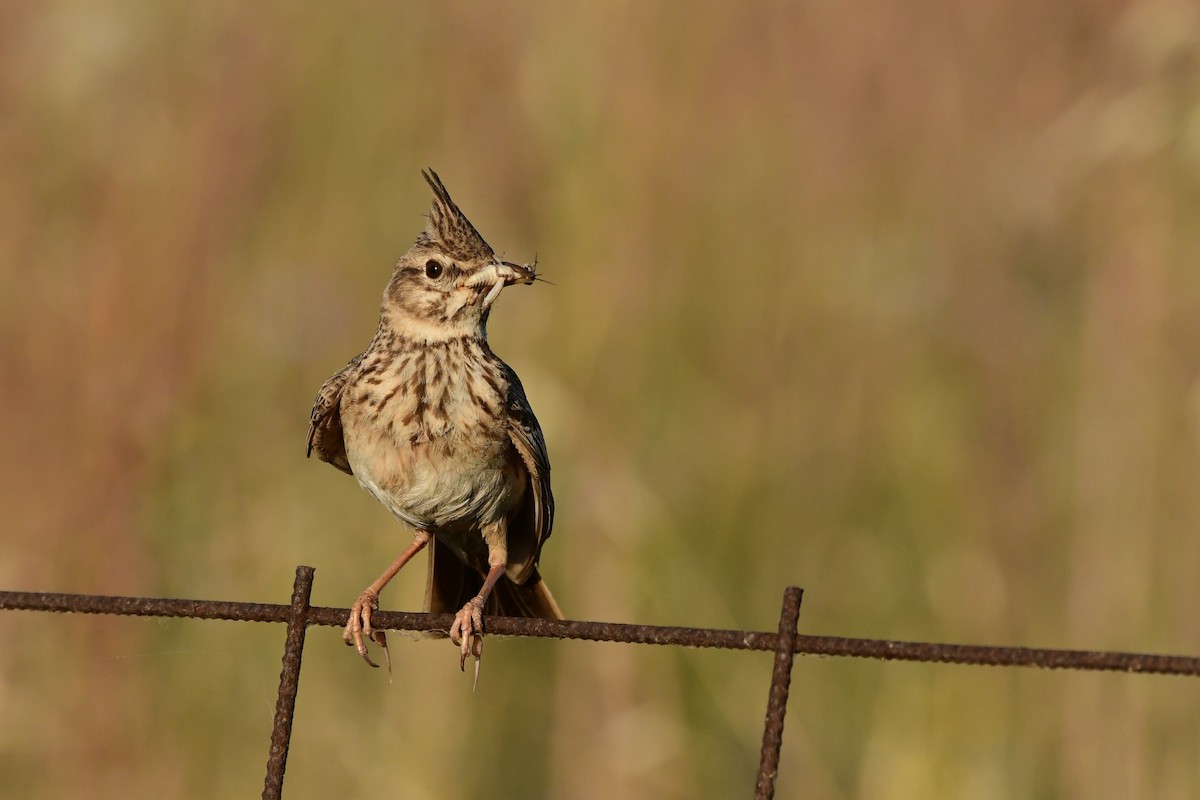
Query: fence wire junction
{"x": 786, "y": 643}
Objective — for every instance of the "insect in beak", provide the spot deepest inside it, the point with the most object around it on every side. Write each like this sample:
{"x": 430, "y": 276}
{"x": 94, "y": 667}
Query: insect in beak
{"x": 498, "y": 275}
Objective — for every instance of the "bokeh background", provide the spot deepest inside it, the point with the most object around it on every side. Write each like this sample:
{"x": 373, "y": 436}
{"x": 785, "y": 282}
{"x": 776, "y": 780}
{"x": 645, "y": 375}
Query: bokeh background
{"x": 896, "y": 302}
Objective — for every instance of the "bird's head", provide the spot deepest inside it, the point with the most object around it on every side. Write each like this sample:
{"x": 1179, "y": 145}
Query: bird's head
{"x": 444, "y": 286}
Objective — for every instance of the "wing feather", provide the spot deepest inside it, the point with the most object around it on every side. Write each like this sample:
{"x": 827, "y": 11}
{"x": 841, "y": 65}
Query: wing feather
{"x": 531, "y": 526}
{"x": 325, "y": 422}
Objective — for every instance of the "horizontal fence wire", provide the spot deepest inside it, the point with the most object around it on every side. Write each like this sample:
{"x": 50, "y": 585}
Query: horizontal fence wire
{"x": 981, "y": 655}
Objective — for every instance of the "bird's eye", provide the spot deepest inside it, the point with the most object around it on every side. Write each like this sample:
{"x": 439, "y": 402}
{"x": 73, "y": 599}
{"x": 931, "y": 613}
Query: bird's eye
{"x": 432, "y": 269}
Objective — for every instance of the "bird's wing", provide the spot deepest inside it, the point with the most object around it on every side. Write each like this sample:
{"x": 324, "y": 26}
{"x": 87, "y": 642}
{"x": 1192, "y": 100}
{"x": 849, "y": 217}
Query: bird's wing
{"x": 325, "y": 425}
{"x": 531, "y": 526}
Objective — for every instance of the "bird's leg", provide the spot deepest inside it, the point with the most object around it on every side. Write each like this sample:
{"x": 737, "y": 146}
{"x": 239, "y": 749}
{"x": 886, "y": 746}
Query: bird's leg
{"x": 368, "y": 602}
{"x": 467, "y": 630}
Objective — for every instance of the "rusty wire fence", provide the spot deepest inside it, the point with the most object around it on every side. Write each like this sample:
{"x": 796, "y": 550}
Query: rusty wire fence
{"x": 785, "y": 643}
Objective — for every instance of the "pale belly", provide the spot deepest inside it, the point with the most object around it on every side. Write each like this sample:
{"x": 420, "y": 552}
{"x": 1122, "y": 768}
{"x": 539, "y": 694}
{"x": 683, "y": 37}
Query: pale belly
{"x": 439, "y": 486}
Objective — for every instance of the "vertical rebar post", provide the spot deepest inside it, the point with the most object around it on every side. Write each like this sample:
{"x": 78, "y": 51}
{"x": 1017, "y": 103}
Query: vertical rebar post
{"x": 781, "y": 679}
{"x": 289, "y": 683}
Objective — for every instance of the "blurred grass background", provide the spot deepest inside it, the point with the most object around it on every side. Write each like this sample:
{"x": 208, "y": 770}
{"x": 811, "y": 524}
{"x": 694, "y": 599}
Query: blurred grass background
{"x": 899, "y": 303}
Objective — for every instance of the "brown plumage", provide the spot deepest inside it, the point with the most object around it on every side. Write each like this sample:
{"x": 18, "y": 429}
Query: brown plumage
{"x": 438, "y": 429}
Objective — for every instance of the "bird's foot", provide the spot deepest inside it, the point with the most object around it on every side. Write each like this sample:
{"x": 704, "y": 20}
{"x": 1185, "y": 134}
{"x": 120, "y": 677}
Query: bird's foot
{"x": 359, "y": 627}
{"x": 467, "y": 633}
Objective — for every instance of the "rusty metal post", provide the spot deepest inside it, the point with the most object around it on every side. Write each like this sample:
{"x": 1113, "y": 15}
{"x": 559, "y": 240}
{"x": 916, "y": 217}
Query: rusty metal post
{"x": 781, "y": 679}
{"x": 289, "y": 683}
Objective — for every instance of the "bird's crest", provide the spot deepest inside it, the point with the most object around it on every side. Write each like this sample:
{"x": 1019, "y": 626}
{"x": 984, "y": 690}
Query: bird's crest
{"x": 449, "y": 231}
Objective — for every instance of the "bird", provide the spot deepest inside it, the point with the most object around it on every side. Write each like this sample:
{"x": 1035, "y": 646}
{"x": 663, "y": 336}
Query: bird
{"x": 439, "y": 430}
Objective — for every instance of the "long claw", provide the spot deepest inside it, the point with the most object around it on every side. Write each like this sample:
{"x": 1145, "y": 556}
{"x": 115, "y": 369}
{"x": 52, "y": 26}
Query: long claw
{"x": 381, "y": 639}
{"x": 477, "y": 651}
{"x": 357, "y": 643}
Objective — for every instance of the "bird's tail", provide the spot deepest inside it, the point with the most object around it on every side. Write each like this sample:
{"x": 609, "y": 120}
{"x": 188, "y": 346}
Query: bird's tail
{"x": 452, "y": 583}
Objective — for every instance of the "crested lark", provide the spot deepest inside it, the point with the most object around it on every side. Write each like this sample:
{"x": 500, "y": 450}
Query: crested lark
{"x": 437, "y": 428}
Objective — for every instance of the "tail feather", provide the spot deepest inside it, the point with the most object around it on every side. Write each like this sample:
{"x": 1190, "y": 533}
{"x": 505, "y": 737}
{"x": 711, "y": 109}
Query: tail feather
{"x": 451, "y": 583}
